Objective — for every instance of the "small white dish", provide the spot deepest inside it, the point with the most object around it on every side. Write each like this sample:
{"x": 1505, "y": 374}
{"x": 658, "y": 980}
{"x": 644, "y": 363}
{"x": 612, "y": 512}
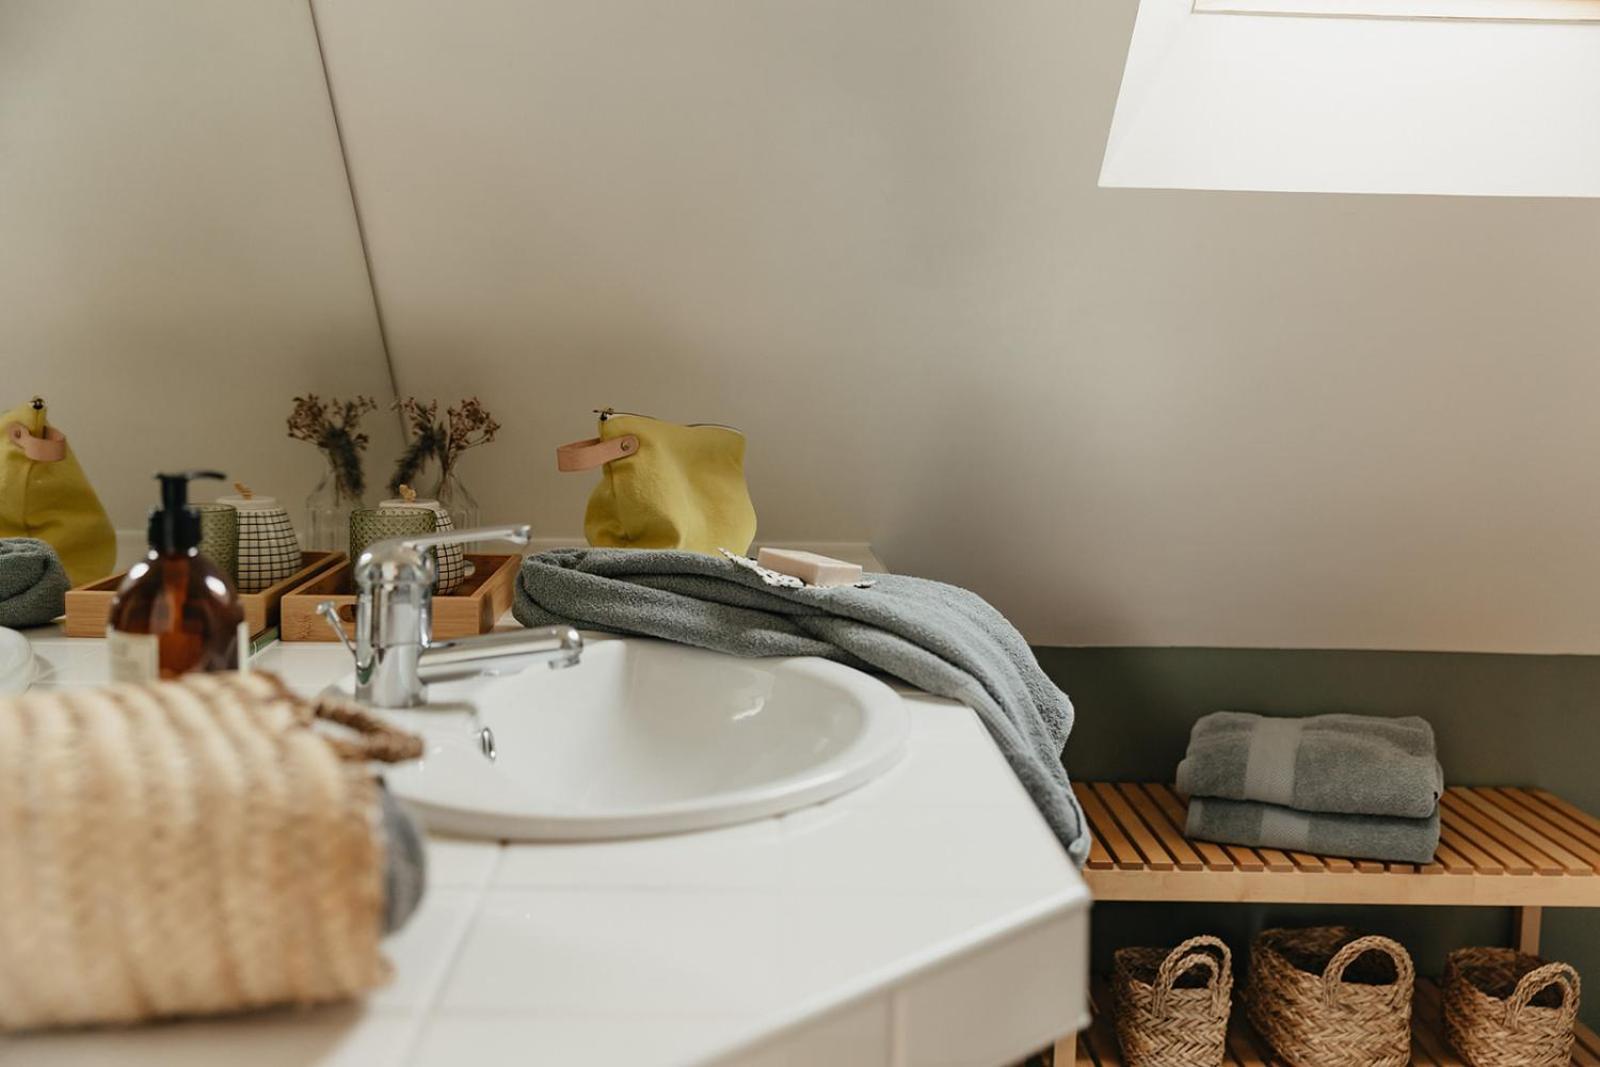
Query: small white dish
{"x": 16, "y": 662}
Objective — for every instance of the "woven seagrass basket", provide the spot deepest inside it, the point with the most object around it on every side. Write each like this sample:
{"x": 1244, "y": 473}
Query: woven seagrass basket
{"x": 1171, "y": 1007}
{"x": 1323, "y": 997}
{"x": 1506, "y": 1009}
{"x": 190, "y": 847}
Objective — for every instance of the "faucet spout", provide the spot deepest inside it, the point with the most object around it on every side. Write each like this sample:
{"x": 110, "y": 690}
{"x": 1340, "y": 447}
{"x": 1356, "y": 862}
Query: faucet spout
{"x": 559, "y": 646}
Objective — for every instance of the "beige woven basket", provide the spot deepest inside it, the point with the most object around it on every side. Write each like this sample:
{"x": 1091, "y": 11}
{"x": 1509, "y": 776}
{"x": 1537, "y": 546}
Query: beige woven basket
{"x": 1323, "y": 997}
{"x": 186, "y": 848}
{"x": 1171, "y": 1007}
{"x": 1506, "y": 1009}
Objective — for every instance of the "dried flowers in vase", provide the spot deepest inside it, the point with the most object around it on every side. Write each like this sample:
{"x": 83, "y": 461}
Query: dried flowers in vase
{"x": 334, "y": 426}
{"x": 465, "y": 425}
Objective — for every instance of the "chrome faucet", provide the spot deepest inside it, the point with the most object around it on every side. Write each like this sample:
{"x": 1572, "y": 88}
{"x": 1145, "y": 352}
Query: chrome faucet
{"x": 394, "y": 621}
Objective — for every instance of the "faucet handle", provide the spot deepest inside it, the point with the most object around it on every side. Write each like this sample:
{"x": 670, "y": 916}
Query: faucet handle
{"x": 519, "y": 534}
{"x": 329, "y": 611}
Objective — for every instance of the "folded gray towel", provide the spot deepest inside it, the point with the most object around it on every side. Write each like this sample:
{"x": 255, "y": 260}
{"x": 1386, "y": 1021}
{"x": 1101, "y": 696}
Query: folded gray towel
{"x": 33, "y": 584}
{"x": 1355, "y": 764}
{"x": 939, "y": 638}
{"x": 1370, "y": 837}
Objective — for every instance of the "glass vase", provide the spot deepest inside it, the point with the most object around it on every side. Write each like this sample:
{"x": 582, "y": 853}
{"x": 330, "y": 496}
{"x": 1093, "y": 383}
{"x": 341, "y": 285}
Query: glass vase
{"x": 453, "y": 496}
{"x": 328, "y": 511}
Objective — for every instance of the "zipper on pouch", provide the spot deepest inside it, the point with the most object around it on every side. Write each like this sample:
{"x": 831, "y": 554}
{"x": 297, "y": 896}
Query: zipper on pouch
{"x": 606, "y": 413}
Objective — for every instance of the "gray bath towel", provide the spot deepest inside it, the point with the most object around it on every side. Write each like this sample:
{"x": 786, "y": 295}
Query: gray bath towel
{"x": 1370, "y": 837}
{"x": 33, "y": 584}
{"x": 1355, "y": 764}
{"x": 945, "y": 640}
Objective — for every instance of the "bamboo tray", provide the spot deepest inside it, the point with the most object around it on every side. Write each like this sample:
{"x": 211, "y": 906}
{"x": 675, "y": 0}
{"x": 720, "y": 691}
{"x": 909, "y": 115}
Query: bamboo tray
{"x": 1097, "y": 1046}
{"x": 473, "y": 608}
{"x": 89, "y": 606}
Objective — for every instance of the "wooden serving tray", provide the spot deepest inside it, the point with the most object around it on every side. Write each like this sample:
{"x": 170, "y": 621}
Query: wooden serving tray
{"x": 473, "y": 608}
{"x": 89, "y": 606}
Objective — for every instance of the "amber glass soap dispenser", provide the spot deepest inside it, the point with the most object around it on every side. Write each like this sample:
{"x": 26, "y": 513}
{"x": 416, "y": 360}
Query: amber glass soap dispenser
{"x": 176, "y": 611}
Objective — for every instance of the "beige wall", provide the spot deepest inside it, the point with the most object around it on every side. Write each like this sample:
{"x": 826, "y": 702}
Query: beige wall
{"x": 178, "y": 254}
{"x": 869, "y": 234}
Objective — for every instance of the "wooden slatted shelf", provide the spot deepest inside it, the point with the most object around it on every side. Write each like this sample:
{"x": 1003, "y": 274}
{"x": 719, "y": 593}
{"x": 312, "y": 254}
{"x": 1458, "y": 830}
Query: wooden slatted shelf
{"x": 1522, "y": 848}
{"x": 1097, "y": 1046}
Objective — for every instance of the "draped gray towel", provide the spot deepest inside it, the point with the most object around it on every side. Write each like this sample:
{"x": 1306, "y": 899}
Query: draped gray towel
{"x": 939, "y": 638}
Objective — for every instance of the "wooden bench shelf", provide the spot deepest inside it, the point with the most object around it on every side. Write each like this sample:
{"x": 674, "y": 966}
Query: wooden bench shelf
{"x": 1097, "y": 1046}
{"x": 1498, "y": 847}
{"x": 1521, "y": 848}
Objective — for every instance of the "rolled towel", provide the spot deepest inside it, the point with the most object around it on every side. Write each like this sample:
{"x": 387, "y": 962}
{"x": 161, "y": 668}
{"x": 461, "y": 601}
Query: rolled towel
{"x": 33, "y": 584}
{"x": 1370, "y": 837}
{"x": 1352, "y": 764}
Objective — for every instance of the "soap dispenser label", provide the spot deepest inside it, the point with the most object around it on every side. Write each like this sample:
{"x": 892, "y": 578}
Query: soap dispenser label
{"x": 134, "y": 657}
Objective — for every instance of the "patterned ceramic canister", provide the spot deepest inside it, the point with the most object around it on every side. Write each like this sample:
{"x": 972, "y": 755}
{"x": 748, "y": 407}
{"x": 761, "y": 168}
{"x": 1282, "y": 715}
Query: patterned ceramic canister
{"x": 451, "y": 559}
{"x": 219, "y": 537}
{"x": 368, "y": 525}
{"x": 269, "y": 552}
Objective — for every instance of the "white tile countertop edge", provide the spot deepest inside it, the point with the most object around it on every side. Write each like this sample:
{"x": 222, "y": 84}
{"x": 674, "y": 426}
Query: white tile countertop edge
{"x": 892, "y": 981}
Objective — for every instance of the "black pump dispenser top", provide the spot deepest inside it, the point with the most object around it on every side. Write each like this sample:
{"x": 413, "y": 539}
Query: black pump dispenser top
{"x": 175, "y": 526}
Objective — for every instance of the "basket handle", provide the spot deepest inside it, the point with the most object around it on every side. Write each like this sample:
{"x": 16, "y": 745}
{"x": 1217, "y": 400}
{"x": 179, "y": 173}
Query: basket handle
{"x": 1181, "y": 961}
{"x": 1535, "y": 982}
{"x": 374, "y": 740}
{"x": 1333, "y": 974}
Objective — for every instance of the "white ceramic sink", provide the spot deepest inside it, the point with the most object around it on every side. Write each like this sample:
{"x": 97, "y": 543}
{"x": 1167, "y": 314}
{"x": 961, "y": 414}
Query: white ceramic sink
{"x": 643, "y": 737}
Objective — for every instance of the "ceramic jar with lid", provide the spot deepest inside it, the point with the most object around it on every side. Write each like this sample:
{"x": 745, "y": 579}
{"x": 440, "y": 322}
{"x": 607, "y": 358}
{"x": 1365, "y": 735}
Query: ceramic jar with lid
{"x": 269, "y": 551}
{"x": 451, "y": 559}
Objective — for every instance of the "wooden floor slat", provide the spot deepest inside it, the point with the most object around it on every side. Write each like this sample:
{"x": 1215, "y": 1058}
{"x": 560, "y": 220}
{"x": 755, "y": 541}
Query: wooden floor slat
{"x": 1172, "y": 839}
{"x": 1568, "y": 862}
{"x": 1530, "y": 812}
{"x": 1172, "y": 807}
{"x": 1105, "y": 829}
{"x": 1520, "y": 855}
{"x": 1155, "y": 857}
{"x": 1497, "y": 847}
{"x": 1097, "y": 1046}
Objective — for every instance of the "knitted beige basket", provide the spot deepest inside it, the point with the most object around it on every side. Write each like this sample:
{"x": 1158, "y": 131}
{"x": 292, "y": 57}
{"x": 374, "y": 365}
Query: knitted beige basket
{"x": 1506, "y": 1009}
{"x": 184, "y": 848}
{"x": 1323, "y": 997}
{"x": 1171, "y": 1007}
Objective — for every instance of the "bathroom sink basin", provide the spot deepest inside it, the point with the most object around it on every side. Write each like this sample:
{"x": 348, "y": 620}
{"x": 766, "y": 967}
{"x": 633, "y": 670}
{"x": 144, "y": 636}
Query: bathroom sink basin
{"x": 643, "y": 737}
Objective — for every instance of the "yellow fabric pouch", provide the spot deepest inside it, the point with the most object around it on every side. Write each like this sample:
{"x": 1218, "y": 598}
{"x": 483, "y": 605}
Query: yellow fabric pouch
{"x": 44, "y": 494}
{"x": 664, "y": 485}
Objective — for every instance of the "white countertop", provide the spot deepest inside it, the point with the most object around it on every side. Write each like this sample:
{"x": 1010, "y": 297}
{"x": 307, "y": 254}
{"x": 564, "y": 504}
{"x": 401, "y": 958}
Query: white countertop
{"x": 926, "y": 918}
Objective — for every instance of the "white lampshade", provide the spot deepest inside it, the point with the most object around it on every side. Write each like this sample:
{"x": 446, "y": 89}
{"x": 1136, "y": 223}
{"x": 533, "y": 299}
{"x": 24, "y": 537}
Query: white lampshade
{"x": 1216, "y": 98}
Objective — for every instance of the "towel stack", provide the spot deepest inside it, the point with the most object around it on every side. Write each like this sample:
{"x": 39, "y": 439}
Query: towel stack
{"x": 1338, "y": 785}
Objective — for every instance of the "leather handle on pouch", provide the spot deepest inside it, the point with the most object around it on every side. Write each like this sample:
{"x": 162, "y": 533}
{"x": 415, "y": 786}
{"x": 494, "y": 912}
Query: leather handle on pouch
{"x": 47, "y": 449}
{"x": 595, "y": 452}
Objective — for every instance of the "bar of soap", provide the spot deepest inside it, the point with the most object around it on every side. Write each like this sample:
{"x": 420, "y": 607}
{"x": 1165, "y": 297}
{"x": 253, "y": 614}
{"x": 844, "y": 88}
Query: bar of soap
{"x": 809, "y": 567}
